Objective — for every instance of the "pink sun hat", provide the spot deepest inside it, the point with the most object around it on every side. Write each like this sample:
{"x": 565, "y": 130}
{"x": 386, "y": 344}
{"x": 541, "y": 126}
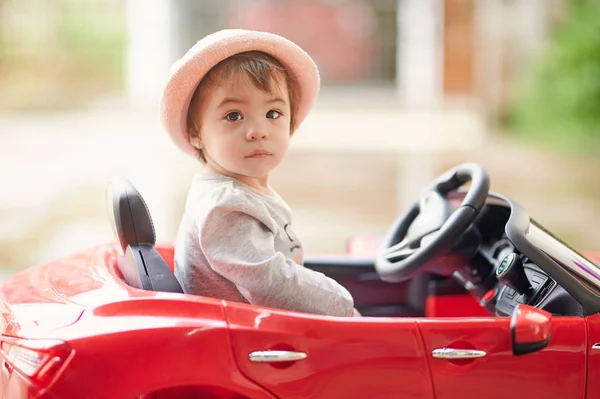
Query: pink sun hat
{"x": 187, "y": 72}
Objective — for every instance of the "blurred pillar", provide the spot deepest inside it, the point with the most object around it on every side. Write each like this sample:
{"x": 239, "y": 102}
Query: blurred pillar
{"x": 491, "y": 21}
{"x": 509, "y": 36}
{"x": 420, "y": 52}
{"x": 458, "y": 34}
{"x": 419, "y": 83}
{"x": 151, "y": 40}
{"x": 533, "y": 25}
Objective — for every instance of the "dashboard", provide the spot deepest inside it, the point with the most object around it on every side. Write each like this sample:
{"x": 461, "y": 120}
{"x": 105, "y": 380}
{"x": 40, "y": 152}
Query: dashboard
{"x": 520, "y": 262}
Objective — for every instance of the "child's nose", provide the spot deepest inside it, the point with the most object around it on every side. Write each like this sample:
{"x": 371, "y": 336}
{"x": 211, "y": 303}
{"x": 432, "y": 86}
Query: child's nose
{"x": 256, "y": 133}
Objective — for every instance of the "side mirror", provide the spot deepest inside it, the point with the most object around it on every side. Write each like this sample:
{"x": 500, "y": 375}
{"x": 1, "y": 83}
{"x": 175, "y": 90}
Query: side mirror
{"x": 529, "y": 329}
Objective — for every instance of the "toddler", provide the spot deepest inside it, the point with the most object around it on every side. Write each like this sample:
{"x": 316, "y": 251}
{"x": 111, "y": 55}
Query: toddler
{"x": 233, "y": 101}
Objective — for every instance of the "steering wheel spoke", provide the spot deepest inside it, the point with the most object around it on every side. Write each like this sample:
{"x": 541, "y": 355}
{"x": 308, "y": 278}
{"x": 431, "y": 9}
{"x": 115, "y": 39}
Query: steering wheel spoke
{"x": 431, "y": 225}
{"x": 406, "y": 247}
{"x": 400, "y": 254}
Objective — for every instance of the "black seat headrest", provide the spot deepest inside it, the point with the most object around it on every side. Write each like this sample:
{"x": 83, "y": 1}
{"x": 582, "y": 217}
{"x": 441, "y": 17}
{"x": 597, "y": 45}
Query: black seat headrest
{"x": 131, "y": 218}
{"x": 140, "y": 263}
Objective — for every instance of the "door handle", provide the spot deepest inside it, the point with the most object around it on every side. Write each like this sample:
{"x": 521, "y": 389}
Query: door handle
{"x": 276, "y": 356}
{"x": 450, "y": 354}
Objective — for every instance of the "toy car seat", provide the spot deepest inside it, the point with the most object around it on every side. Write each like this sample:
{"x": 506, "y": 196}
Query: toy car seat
{"x": 140, "y": 263}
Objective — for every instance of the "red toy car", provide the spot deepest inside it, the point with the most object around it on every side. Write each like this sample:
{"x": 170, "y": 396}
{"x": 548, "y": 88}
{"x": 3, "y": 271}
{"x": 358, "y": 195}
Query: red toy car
{"x": 468, "y": 298}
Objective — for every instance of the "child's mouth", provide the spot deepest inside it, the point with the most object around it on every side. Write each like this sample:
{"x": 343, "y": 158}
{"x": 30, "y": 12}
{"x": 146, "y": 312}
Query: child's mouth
{"x": 259, "y": 154}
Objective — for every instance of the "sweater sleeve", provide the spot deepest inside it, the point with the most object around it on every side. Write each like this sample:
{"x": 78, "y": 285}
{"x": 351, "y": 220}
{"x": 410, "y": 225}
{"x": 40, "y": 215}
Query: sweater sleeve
{"x": 238, "y": 246}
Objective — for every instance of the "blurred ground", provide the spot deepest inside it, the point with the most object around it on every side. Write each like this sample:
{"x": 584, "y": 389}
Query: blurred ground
{"x": 54, "y": 203}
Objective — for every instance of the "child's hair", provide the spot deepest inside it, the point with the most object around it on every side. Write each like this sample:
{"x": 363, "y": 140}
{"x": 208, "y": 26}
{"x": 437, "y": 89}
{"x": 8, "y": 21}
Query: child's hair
{"x": 260, "y": 69}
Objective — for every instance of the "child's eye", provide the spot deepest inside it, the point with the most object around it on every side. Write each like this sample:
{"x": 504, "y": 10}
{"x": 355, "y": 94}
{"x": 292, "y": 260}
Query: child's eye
{"x": 272, "y": 114}
{"x": 233, "y": 116}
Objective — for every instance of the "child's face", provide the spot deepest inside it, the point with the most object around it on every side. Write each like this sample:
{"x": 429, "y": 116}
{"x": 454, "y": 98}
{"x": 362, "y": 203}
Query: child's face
{"x": 245, "y": 131}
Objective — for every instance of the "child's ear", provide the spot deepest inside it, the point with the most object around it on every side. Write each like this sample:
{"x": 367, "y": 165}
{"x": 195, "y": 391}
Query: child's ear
{"x": 196, "y": 142}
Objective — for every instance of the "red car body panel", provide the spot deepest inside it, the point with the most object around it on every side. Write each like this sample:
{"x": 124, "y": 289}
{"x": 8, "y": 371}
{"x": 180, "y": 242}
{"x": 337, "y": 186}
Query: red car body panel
{"x": 128, "y": 342}
{"x": 593, "y": 358}
{"x": 347, "y": 357}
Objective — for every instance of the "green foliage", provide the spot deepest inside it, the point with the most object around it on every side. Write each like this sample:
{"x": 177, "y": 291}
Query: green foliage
{"x": 559, "y": 101}
{"x": 63, "y": 54}
{"x": 93, "y": 38}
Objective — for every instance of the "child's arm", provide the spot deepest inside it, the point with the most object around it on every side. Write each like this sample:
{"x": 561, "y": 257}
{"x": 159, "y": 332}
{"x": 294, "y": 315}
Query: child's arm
{"x": 241, "y": 248}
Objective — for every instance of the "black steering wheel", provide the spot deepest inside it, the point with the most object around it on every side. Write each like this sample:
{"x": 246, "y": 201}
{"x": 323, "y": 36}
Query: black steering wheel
{"x": 431, "y": 226}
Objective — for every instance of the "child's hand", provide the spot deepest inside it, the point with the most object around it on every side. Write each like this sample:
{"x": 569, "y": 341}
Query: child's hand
{"x": 356, "y": 314}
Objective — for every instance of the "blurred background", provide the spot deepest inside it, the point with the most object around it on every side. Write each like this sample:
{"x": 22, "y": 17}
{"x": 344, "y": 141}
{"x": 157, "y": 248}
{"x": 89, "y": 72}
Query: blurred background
{"x": 410, "y": 89}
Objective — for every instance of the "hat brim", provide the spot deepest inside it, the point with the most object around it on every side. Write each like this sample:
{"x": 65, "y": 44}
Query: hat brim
{"x": 188, "y": 71}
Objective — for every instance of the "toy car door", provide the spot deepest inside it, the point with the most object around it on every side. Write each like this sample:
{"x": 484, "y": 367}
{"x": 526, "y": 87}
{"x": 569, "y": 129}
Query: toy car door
{"x": 475, "y": 358}
{"x": 295, "y": 355}
{"x": 593, "y": 347}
